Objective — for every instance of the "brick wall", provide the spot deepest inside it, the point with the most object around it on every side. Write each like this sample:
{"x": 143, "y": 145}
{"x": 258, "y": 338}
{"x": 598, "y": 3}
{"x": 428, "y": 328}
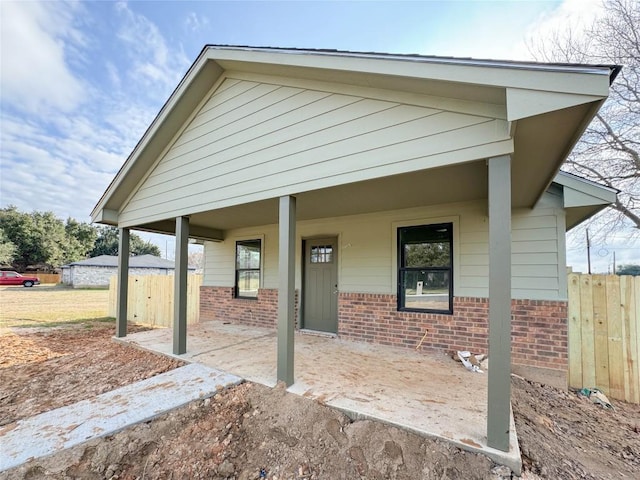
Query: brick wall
{"x": 218, "y": 303}
{"x": 539, "y": 327}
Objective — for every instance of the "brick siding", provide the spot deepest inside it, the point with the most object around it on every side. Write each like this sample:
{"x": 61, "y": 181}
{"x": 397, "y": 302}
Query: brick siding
{"x": 218, "y": 303}
{"x": 539, "y": 327}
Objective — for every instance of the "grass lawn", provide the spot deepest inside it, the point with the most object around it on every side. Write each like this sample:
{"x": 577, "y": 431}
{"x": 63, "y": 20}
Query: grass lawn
{"x": 44, "y": 305}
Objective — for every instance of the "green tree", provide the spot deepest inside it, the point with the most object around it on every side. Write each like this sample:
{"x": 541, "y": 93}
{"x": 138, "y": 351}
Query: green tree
{"x": 628, "y": 270}
{"x": 80, "y": 240}
{"x": 435, "y": 254}
{"x": 7, "y": 249}
{"x": 107, "y": 244}
{"x": 38, "y": 237}
{"x": 41, "y": 238}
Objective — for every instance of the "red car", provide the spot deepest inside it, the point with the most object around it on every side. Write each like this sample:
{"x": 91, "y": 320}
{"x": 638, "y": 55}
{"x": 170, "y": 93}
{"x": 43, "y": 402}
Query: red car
{"x": 14, "y": 278}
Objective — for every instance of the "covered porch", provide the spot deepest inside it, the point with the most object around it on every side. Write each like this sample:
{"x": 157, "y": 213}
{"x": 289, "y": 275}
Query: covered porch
{"x": 427, "y": 393}
{"x": 257, "y": 138}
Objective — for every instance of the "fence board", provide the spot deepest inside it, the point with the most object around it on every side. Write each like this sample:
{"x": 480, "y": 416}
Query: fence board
{"x": 604, "y": 331}
{"x": 587, "y": 332}
{"x": 629, "y": 334}
{"x": 45, "y": 277}
{"x": 601, "y": 344}
{"x": 575, "y": 334}
{"x": 634, "y": 347}
{"x": 150, "y": 299}
{"x": 614, "y": 333}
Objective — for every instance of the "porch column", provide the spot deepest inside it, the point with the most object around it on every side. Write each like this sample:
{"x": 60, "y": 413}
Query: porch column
{"x": 286, "y": 288}
{"x": 180, "y": 286}
{"x": 123, "y": 283}
{"x": 499, "y": 381}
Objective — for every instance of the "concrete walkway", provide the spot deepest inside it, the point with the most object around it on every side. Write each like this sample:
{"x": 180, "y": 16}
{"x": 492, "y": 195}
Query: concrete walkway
{"x": 66, "y": 427}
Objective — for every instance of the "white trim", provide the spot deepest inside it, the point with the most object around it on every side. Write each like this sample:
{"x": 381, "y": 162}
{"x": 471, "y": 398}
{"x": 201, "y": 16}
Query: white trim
{"x": 173, "y": 140}
{"x": 593, "y": 69}
{"x": 583, "y": 79}
{"x": 600, "y": 194}
{"x": 563, "y": 293}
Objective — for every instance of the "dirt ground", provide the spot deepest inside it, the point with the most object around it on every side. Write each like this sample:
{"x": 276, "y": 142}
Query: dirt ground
{"x": 251, "y": 430}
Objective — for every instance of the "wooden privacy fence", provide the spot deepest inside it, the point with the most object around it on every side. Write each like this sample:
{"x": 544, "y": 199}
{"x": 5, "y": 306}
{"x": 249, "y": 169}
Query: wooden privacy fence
{"x": 46, "y": 277}
{"x": 150, "y": 299}
{"x": 604, "y": 334}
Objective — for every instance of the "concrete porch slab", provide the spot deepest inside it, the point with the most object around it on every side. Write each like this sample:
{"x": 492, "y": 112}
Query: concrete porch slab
{"x": 106, "y": 414}
{"x": 429, "y": 394}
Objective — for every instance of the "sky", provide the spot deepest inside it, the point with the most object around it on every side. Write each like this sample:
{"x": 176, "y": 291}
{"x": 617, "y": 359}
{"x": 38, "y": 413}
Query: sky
{"x": 81, "y": 81}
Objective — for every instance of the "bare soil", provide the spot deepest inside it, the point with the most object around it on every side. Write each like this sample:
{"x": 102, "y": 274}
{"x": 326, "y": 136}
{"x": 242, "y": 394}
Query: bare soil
{"x": 251, "y": 430}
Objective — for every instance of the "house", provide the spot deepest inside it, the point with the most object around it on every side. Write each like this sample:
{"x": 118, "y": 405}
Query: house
{"x": 380, "y": 198}
{"x": 96, "y": 271}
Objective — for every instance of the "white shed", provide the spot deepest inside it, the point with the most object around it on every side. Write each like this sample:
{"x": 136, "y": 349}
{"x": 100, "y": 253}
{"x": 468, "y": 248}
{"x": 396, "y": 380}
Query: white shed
{"x": 95, "y": 272}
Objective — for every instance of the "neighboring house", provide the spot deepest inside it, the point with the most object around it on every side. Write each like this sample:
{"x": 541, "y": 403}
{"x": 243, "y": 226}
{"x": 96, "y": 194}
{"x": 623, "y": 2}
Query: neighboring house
{"x": 376, "y": 197}
{"x": 96, "y": 271}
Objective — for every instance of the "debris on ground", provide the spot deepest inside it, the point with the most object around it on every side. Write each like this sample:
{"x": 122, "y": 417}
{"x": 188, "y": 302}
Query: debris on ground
{"x": 597, "y": 397}
{"x": 254, "y": 432}
{"x": 471, "y": 362}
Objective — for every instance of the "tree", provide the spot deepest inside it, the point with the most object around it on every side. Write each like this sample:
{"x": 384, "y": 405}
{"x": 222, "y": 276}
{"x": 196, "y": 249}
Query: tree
{"x": 107, "y": 244}
{"x": 628, "y": 270}
{"x": 196, "y": 260}
{"x": 42, "y": 239}
{"x": 37, "y": 236}
{"x": 609, "y": 151}
{"x": 7, "y": 249}
{"x": 80, "y": 240}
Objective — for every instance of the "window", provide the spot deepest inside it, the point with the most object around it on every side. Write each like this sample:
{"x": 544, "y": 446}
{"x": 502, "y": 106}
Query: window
{"x": 425, "y": 268}
{"x": 247, "y": 268}
{"x": 322, "y": 254}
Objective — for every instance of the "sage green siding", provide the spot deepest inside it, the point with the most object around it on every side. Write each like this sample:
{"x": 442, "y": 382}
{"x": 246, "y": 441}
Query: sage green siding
{"x": 252, "y": 141}
{"x": 367, "y": 249}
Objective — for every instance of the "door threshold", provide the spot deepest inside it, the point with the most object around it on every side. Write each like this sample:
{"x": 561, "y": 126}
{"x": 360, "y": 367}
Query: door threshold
{"x": 318, "y": 333}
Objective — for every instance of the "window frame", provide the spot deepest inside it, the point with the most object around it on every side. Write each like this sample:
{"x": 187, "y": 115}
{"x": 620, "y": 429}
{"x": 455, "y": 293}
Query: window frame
{"x": 238, "y": 271}
{"x": 400, "y": 268}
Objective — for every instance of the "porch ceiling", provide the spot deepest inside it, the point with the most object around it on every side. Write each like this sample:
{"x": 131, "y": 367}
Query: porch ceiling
{"x": 459, "y": 183}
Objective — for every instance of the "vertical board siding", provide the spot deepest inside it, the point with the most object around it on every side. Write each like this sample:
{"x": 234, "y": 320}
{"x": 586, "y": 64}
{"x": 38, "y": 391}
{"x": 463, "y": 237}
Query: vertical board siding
{"x": 150, "y": 299}
{"x": 603, "y": 334}
{"x": 246, "y": 129}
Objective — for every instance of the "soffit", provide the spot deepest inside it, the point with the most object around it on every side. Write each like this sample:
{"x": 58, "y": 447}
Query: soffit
{"x": 459, "y": 183}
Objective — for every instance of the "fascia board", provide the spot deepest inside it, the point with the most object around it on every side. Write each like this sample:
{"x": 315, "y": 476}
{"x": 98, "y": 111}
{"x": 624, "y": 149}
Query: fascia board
{"x": 581, "y": 192}
{"x": 591, "y": 80}
{"x": 198, "y": 67}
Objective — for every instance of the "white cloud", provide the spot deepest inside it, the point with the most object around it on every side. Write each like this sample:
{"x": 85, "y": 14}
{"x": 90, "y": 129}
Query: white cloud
{"x": 152, "y": 58}
{"x": 65, "y": 161}
{"x": 114, "y": 75}
{"x": 195, "y": 22}
{"x": 37, "y": 41}
{"x": 571, "y": 17}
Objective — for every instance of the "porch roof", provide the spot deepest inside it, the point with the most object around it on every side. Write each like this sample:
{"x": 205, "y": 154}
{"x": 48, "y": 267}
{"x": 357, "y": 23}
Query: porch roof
{"x": 546, "y": 107}
{"x": 582, "y": 197}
